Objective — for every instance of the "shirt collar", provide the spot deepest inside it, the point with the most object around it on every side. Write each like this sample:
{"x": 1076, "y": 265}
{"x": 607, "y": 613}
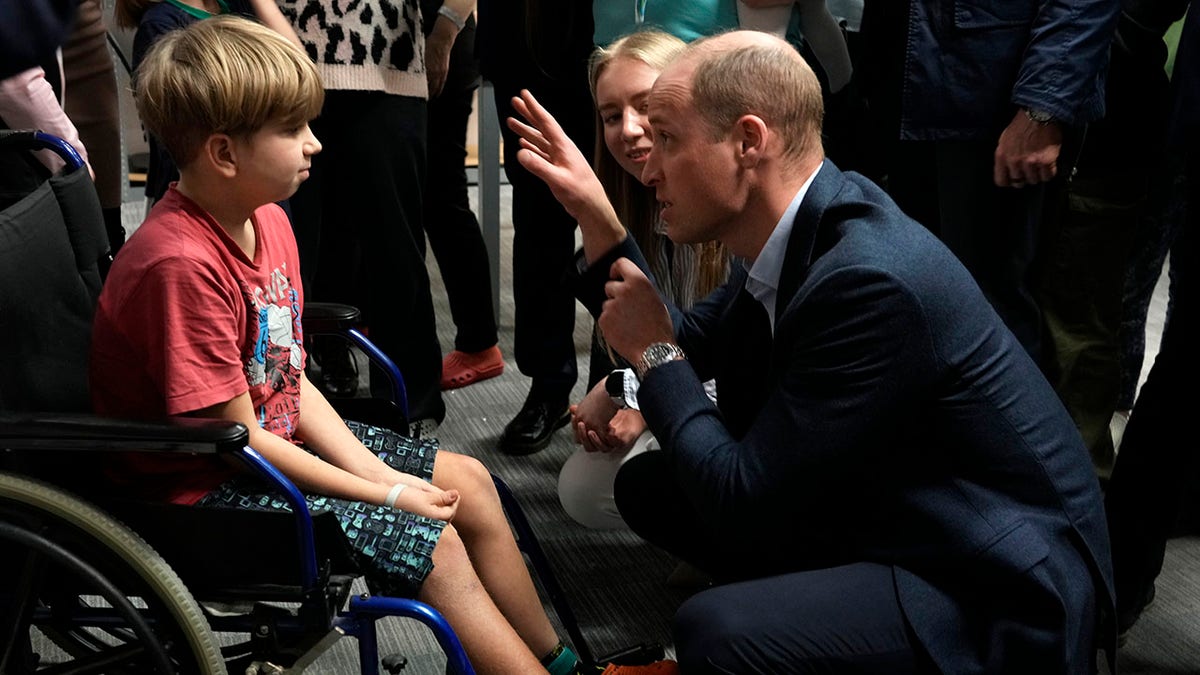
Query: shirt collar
{"x": 763, "y": 279}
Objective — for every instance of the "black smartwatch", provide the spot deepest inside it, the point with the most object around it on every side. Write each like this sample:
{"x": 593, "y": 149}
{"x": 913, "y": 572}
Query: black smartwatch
{"x": 615, "y": 386}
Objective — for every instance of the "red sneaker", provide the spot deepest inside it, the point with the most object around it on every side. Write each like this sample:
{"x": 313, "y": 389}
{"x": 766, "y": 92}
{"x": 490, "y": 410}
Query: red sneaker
{"x": 656, "y": 668}
{"x": 462, "y": 368}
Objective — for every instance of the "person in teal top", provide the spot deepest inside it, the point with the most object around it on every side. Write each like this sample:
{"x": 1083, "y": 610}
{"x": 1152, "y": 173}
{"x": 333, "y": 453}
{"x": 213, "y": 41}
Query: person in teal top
{"x": 685, "y": 20}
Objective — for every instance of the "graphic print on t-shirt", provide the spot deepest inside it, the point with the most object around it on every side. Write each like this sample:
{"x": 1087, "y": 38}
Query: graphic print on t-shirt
{"x": 273, "y": 368}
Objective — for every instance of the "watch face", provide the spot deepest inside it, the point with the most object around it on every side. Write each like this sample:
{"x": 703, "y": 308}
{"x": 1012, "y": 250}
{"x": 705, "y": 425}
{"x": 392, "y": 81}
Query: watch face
{"x": 657, "y": 353}
{"x": 1039, "y": 116}
{"x": 615, "y": 384}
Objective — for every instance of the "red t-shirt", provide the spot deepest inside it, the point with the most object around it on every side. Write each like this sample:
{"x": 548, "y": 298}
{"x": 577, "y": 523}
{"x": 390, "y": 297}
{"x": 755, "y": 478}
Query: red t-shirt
{"x": 186, "y": 321}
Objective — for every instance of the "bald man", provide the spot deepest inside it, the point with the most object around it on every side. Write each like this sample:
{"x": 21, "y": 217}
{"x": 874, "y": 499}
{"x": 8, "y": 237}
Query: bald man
{"x": 887, "y": 483}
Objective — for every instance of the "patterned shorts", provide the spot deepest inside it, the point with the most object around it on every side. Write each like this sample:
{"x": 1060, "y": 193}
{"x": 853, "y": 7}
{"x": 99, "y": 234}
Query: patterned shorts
{"x": 393, "y": 546}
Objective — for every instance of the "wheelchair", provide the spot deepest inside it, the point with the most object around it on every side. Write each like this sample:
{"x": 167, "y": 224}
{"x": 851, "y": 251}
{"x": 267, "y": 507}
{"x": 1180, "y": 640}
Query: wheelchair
{"x": 124, "y": 586}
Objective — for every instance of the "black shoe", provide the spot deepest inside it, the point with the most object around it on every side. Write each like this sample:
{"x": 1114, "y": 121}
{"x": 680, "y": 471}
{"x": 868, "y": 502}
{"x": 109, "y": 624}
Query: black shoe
{"x": 533, "y": 426}
{"x": 1126, "y": 619}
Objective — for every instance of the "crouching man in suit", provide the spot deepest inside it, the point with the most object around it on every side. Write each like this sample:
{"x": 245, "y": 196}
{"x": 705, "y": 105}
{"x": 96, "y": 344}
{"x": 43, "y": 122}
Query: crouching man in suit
{"x": 887, "y": 483}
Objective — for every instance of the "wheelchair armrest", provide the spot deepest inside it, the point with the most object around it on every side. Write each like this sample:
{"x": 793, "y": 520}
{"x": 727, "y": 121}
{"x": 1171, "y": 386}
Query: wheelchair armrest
{"x": 45, "y": 431}
{"x": 328, "y": 317}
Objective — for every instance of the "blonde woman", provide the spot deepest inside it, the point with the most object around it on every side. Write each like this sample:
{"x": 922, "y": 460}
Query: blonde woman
{"x": 621, "y": 76}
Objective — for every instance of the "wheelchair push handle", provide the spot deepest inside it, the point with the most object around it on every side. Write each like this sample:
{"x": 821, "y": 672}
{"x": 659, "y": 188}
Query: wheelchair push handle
{"x": 40, "y": 140}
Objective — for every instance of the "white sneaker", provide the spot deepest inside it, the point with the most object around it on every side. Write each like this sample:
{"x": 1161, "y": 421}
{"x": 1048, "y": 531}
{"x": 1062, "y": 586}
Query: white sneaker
{"x": 422, "y": 428}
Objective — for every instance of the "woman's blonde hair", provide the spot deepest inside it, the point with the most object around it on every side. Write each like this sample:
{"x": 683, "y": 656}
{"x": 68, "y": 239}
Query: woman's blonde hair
{"x": 634, "y": 202}
{"x": 226, "y": 75}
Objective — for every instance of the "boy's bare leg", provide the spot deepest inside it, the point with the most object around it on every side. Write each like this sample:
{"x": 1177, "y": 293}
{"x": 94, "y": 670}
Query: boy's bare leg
{"x": 454, "y": 589}
{"x": 484, "y": 530}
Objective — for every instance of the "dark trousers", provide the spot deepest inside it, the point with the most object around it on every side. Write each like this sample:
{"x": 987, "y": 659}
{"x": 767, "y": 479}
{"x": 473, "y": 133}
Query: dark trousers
{"x": 451, "y": 226}
{"x": 358, "y": 228}
{"x": 1157, "y": 466}
{"x": 842, "y": 619}
{"x": 839, "y": 620}
{"x": 544, "y": 242}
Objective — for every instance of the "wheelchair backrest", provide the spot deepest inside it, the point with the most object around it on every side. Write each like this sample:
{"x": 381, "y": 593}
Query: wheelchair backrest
{"x": 53, "y": 247}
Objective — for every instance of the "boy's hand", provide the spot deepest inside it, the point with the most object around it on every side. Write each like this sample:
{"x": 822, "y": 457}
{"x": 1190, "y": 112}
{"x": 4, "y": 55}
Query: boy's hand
{"x": 429, "y": 501}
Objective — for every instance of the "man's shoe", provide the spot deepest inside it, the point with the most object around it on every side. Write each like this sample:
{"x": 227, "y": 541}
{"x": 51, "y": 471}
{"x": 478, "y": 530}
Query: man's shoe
{"x": 1126, "y": 619}
{"x": 531, "y": 429}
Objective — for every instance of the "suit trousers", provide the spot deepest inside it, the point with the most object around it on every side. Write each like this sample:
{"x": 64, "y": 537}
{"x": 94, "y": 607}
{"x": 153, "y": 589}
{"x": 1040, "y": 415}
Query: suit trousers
{"x": 843, "y": 619}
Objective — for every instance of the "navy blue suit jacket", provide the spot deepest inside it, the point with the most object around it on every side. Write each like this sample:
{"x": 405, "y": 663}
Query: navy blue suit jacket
{"x": 892, "y": 419}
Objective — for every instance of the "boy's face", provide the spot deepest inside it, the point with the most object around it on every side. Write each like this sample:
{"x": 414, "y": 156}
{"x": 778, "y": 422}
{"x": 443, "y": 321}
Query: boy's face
{"x": 274, "y": 160}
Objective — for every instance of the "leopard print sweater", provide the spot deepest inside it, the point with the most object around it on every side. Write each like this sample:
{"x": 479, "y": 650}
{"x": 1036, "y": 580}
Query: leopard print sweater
{"x": 363, "y": 45}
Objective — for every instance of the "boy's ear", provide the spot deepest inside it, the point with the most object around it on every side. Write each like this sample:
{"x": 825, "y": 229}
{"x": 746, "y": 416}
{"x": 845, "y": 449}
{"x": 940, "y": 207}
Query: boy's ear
{"x": 220, "y": 153}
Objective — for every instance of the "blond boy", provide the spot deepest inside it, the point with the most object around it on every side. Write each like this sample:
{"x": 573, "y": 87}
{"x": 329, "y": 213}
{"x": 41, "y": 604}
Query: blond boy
{"x": 200, "y": 316}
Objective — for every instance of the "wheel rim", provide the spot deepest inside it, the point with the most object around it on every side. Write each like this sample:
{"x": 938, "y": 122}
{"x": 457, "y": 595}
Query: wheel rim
{"x": 81, "y": 569}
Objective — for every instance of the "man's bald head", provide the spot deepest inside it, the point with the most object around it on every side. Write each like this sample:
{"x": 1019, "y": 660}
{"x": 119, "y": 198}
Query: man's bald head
{"x": 750, "y": 72}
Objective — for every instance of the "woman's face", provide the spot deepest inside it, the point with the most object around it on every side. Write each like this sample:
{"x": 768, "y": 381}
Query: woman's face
{"x": 621, "y": 93}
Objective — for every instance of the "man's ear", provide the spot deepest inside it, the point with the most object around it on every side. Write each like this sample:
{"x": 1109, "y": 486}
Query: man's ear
{"x": 750, "y": 132}
{"x": 220, "y": 153}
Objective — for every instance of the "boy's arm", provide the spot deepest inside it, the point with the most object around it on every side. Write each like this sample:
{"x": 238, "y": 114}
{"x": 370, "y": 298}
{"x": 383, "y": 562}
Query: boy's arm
{"x": 321, "y": 429}
{"x": 314, "y": 475}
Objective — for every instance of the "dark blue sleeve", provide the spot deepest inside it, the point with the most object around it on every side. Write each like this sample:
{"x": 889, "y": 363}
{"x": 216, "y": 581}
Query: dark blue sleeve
{"x": 1065, "y": 63}
{"x": 30, "y": 31}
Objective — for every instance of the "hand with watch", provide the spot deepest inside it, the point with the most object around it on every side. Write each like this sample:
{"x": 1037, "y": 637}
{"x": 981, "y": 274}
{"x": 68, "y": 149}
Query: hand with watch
{"x": 1028, "y": 149}
{"x": 604, "y": 423}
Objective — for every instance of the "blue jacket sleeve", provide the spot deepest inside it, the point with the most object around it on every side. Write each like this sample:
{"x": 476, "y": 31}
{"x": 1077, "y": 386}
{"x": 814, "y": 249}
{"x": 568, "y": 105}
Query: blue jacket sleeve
{"x": 1065, "y": 61}
{"x": 851, "y": 358}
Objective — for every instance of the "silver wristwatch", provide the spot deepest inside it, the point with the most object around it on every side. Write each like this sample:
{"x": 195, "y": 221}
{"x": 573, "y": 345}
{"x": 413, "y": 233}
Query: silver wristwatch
{"x": 656, "y": 355}
{"x": 1039, "y": 117}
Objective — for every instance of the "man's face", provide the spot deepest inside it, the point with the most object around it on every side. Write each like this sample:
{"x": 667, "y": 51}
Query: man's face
{"x": 695, "y": 174}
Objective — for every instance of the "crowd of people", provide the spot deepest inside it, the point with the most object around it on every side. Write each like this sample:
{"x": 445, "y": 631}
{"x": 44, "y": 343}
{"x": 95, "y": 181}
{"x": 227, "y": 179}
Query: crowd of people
{"x": 858, "y": 314}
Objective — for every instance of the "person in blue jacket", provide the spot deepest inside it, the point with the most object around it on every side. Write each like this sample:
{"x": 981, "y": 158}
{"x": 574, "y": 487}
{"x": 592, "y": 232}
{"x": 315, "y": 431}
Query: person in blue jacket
{"x": 977, "y": 102}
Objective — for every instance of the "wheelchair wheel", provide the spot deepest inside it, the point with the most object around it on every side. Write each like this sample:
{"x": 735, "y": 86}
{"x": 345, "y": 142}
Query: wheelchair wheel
{"x": 75, "y": 575}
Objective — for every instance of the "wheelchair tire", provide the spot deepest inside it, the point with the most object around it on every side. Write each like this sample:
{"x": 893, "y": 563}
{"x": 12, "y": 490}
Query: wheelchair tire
{"x": 34, "y": 512}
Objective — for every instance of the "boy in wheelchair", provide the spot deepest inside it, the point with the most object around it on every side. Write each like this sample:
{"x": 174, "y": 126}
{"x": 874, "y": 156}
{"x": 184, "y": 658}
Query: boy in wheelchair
{"x": 200, "y": 316}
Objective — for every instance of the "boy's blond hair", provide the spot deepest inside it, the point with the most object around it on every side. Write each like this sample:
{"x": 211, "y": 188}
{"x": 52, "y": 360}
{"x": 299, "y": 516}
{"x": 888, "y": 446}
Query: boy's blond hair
{"x": 223, "y": 75}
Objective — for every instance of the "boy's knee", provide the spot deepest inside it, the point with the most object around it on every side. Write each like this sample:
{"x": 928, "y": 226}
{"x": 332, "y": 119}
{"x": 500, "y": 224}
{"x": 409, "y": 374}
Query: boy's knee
{"x": 450, "y": 550}
{"x": 467, "y": 474}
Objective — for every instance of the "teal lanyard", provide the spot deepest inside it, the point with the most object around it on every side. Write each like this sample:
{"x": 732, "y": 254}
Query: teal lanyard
{"x": 198, "y": 13}
{"x": 639, "y": 12}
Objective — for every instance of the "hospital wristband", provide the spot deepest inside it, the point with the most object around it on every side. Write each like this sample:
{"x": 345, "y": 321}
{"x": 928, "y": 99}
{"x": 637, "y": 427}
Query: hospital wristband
{"x": 394, "y": 494}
